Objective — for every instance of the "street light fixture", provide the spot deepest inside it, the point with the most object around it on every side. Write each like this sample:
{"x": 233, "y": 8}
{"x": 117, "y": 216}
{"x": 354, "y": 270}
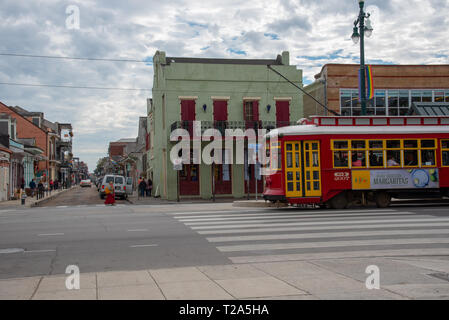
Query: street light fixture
{"x": 362, "y": 27}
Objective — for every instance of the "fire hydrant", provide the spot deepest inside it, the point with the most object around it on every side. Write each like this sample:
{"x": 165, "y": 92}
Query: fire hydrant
{"x": 23, "y": 197}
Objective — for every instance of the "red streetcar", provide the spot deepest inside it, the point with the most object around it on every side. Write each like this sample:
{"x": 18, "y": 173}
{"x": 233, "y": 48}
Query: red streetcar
{"x": 336, "y": 161}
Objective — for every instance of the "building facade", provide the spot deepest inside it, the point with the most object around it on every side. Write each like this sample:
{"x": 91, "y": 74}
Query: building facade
{"x": 396, "y": 87}
{"x": 222, "y": 94}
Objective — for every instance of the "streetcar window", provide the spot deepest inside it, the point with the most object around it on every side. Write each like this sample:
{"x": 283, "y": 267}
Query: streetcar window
{"x": 290, "y": 186}
{"x": 410, "y": 153}
{"x": 411, "y": 158}
{"x": 315, "y": 159}
{"x": 289, "y": 147}
{"x": 314, "y": 146}
{"x": 393, "y": 144}
{"x": 358, "y": 144}
{"x": 408, "y": 144}
{"x": 358, "y": 159}
{"x": 427, "y": 143}
{"x": 445, "y": 144}
{"x": 393, "y": 158}
{"x": 341, "y": 159}
{"x": 446, "y": 158}
{"x": 340, "y": 144}
{"x": 428, "y": 157}
{"x": 445, "y": 152}
{"x": 376, "y": 158}
{"x": 289, "y": 160}
{"x": 376, "y": 144}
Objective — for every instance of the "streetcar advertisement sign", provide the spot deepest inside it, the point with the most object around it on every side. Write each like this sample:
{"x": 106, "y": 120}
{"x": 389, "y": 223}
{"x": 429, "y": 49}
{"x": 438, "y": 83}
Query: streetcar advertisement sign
{"x": 395, "y": 179}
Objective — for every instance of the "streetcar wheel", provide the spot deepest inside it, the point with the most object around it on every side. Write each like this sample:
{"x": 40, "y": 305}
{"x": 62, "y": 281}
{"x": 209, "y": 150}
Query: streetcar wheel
{"x": 339, "y": 202}
{"x": 383, "y": 199}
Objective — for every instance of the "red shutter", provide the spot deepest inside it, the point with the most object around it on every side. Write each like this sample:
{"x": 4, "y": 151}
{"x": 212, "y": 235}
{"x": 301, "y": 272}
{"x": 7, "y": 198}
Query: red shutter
{"x": 187, "y": 110}
{"x": 256, "y": 110}
{"x": 282, "y": 113}
{"x": 220, "y": 110}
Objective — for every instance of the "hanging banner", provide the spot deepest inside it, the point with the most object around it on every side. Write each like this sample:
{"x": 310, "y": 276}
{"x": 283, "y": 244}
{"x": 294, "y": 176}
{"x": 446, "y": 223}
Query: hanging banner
{"x": 369, "y": 83}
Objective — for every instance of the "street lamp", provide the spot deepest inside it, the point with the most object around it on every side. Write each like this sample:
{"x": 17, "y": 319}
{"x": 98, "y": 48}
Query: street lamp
{"x": 362, "y": 27}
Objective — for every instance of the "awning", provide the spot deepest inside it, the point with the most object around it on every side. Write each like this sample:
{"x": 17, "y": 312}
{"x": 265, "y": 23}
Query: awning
{"x": 429, "y": 109}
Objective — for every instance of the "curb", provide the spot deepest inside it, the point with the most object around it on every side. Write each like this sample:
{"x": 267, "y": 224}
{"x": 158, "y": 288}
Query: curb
{"x": 258, "y": 204}
{"x": 41, "y": 201}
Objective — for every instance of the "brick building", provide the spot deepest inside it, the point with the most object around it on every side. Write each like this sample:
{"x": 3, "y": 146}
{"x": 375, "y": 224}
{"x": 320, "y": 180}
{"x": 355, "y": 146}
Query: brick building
{"x": 396, "y": 88}
{"x": 26, "y": 129}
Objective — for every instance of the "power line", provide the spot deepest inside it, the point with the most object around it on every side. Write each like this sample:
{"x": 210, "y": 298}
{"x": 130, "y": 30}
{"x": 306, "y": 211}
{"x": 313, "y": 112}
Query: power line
{"x": 71, "y": 87}
{"x": 71, "y": 58}
{"x": 303, "y": 91}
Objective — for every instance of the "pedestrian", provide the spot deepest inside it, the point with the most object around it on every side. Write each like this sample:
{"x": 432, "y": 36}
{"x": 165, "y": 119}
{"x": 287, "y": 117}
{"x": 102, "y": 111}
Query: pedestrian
{"x": 52, "y": 184}
{"x": 142, "y": 188}
{"x": 149, "y": 187}
{"x": 56, "y": 184}
{"x": 110, "y": 194}
{"x": 32, "y": 186}
{"x": 40, "y": 190}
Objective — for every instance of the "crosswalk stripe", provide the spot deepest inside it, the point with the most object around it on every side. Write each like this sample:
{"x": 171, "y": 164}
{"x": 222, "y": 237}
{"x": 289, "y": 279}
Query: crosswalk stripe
{"x": 243, "y": 225}
{"x": 334, "y": 243}
{"x": 327, "y": 235}
{"x": 329, "y": 228}
{"x": 202, "y": 214}
{"x": 208, "y": 212}
{"x": 336, "y": 255}
{"x": 291, "y": 216}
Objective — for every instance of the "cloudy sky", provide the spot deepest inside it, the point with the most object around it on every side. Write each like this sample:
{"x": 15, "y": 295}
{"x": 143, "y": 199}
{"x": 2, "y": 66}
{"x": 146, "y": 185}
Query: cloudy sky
{"x": 314, "y": 31}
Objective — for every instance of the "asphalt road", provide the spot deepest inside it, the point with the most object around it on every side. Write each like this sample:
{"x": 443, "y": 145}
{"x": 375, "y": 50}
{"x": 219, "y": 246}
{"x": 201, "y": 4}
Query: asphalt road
{"x": 78, "y": 196}
{"x": 128, "y": 237}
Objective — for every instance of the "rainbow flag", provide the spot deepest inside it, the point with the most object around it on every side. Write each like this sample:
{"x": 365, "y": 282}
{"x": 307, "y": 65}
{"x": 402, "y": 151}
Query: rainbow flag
{"x": 369, "y": 83}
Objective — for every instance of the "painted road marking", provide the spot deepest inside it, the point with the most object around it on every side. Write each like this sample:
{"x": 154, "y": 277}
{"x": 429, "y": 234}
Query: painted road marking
{"x": 39, "y": 251}
{"x": 326, "y": 235}
{"x": 284, "y": 229}
{"x": 291, "y": 216}
{"x": 143, "y": 245}
{"x": 334, "y": 243}
{"x": 137, "y": 230}
{"x": 274, "y": 224}
{"x": 50, "y": 234}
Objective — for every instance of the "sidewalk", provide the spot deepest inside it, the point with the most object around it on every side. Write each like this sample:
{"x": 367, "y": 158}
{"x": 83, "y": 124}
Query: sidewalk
{"x": 400, "y": 278}
{"x": 32, "y": 201}
{"x": 134, "y": 199}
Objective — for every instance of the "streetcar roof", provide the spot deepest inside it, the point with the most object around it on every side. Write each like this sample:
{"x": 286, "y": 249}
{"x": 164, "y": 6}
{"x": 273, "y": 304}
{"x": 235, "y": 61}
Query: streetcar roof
{"x": 342, "y": 130}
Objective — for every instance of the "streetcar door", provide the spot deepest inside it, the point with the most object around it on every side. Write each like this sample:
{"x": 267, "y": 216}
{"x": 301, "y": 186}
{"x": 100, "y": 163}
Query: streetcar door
{"x": 312, "y": 169}
{"x": 292, "y": 153}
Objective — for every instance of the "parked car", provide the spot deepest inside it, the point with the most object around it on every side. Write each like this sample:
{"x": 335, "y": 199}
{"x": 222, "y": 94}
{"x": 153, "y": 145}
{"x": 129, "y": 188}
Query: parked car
{"x": 119, "y": 183}
{"x": 86, "y": 183}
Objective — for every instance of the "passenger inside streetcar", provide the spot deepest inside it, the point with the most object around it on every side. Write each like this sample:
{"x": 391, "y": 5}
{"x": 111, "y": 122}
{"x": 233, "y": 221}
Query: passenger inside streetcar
{"x": 358, "y": 159}
{"x": 392, "y": 161}
{"x": 410, "y": 158}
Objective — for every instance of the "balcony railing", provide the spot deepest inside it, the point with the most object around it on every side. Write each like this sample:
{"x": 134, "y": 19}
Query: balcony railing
{"x": 221, "y": 126}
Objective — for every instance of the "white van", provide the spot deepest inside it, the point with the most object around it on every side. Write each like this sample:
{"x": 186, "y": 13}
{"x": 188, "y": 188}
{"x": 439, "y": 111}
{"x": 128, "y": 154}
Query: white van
{"x": 120, "y": 186}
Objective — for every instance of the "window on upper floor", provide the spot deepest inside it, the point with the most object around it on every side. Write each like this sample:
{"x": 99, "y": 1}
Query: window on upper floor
{"x": 13, "y": 131}
{"x": 4, "y": 127}
{"x": 37, "y": 121}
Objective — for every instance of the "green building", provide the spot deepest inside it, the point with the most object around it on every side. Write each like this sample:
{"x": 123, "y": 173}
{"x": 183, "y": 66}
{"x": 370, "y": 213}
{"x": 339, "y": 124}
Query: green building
{"x": 222, "y": 94}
